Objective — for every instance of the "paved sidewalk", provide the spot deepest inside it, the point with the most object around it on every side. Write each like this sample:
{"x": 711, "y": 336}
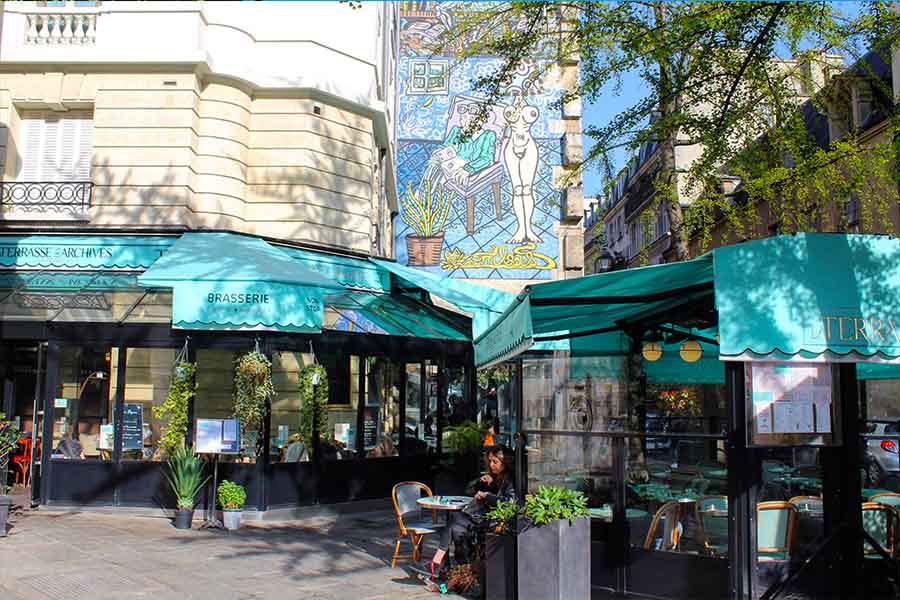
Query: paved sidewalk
{"x": 65, "y": 556}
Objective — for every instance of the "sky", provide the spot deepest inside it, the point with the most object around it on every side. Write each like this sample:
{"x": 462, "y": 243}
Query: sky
{"x": 610, "y": 104}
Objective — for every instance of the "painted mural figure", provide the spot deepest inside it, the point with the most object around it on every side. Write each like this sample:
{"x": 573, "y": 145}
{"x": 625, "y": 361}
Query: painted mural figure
{"x": 520, "y": 156}
{"x": 459, "y": 157}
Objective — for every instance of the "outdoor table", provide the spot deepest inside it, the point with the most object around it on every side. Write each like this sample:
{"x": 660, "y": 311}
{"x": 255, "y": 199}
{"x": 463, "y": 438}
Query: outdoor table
{"x": 448, "y": 504}
{"x": 605, "y": 513}
{"x": 802, "y": 482}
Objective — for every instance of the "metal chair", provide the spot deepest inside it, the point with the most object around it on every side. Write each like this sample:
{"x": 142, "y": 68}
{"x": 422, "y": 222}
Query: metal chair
{"x": 409, "y": 518}
{"x": 880, "y": 522}
{"x": 667, "y": 518}
{"x": 22, "y": 461}
{"x": 776, "y": 524}
{"x": 889, "y": 498}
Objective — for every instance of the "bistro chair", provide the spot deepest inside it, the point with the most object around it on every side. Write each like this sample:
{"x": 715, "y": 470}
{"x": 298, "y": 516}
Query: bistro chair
{"x": 807, "y": 504}
{"x": 712, "y": 515}
{"x": 409, "y": 518}
{"x": 776, "y": 524}
{"x": 22, "y": 461}
{"x": 880, "y": 522}
{"x": 889, "y": 498}
{"x": 665, "y": 521}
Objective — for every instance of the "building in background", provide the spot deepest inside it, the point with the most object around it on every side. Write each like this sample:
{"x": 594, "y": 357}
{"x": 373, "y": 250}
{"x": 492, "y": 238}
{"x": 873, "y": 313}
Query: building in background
{"x": 594, "y": 234}
{"x": 491, "y": 208}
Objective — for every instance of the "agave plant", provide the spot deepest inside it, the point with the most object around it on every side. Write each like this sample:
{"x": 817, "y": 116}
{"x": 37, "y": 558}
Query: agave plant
{"x": 185, "y": 477}
{"x": 426, "y": 213}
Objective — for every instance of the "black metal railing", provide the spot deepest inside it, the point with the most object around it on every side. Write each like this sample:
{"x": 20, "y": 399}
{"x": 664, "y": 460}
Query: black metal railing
{"x": 62, "y": 197}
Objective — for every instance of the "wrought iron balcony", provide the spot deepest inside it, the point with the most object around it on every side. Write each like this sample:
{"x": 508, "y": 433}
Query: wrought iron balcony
{"x": 45, "y": 199}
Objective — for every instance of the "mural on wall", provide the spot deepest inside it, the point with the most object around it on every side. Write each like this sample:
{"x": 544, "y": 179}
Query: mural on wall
{"x": 482, "y": 206}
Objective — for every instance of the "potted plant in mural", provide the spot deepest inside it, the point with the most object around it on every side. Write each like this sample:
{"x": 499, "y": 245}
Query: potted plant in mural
{"x": 174, "y": 411}
{"x": 186, "y": 479}
{"x": 553, "y": 546}
{"x": 231, "y": 498}
{"x": 426, "y": 213}
{"x": 9, "y": 441}
{"x": 252, "y": 391}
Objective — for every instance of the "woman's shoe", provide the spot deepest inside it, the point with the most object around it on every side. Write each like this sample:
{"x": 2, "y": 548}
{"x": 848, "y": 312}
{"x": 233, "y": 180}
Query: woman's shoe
{"x": 437, "y": 570}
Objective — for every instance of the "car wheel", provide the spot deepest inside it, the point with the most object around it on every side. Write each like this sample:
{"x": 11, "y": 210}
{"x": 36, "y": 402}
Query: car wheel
{"x": 873, "y": 474}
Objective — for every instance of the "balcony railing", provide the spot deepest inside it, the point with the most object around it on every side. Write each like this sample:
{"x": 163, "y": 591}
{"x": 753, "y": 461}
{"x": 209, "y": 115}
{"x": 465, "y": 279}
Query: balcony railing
{"x": 61, "y": 28}
{"x": 68, "y": 199}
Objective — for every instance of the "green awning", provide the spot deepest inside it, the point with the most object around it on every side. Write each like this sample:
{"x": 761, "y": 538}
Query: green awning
{"x": 226, "y": 281}
{"x": 351, "y": 273}
{"x": 132, "y": 252}
{"x": 867, "y": 371}
{"x": 391, "y": 314}
{"x": 808, "y": 296}
{"x": 483, "y": 303}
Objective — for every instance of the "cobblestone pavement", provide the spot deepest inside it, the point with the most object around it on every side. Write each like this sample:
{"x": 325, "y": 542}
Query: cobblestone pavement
{"x": 51, "y": 555}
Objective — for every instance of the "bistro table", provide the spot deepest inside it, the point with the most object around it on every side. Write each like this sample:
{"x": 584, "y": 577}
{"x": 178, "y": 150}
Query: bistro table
{"x": 448, "y": 504}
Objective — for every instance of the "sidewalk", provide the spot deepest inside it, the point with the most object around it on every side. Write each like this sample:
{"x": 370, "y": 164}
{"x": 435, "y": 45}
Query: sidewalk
{"x": 63, "y": 556}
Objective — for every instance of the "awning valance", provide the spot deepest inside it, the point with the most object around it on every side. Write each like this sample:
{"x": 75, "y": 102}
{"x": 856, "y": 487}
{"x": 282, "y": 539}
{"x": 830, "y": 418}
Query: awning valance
{"x": 82, "y": 252}
{"x": 236, "y": 282}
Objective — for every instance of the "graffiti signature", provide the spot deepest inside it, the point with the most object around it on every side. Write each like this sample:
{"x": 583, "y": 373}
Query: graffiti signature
{"x": 498, "y": 257}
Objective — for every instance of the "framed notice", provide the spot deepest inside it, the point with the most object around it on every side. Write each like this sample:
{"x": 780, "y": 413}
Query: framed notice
{"x": 132, "y": 426}
{"x": 217, "y": 436}
{"x": 791, "y": 404}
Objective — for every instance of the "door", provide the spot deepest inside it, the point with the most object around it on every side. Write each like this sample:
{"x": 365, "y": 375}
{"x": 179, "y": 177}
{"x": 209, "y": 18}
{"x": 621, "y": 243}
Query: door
{"x": 21, "y": 375}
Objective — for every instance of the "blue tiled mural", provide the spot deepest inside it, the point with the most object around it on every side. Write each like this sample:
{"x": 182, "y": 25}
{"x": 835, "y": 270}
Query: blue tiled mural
{"x": 483, "y": 207}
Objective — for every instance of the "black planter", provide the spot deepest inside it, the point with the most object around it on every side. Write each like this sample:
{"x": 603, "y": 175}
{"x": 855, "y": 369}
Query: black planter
{"x": 500, "y": 567}
{"x": 554, "y": 561}
{"x": 5, "y": 503}
{"x": 183, "y": 518}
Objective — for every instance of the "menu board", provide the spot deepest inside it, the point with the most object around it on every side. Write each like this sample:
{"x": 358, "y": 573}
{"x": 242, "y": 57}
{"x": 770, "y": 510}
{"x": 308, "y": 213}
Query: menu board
{"x": 790, "y": 403}
{"x": 132, "y": 427}
{"x": 370, "y": 427}
{"x": 217, "y": 436}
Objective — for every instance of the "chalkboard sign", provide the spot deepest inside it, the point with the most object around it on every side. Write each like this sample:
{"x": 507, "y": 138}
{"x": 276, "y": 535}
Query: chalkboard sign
{"x": 133, "y": 427}
{"x": 217, "y": 436}
{"x": 370, "y": 428}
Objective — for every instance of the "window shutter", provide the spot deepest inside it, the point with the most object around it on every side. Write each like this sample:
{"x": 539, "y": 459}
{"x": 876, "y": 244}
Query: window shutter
{"x": 84, "y": 146}
{"x": 32, "y": 144}
{"x": 57, "y": 148}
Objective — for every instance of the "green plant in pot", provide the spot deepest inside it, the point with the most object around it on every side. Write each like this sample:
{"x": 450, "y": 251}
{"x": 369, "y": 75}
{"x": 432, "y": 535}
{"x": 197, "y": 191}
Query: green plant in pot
{"x": 174, "y": 411}
{"x": 186, "y": 479}
{"x": 9, "y": 441}
{"x": 313, "y": 387}
{"x": 253, "y": 390}
{"x": 231, "y": 497}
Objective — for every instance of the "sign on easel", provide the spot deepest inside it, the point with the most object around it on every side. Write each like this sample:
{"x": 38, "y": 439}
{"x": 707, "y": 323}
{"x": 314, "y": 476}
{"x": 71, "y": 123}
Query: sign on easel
{"x": 217, "y": 436}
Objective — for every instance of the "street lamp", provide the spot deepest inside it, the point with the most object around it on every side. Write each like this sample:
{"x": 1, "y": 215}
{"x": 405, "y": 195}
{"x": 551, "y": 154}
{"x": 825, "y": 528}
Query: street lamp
{"x": 605, "y": 260}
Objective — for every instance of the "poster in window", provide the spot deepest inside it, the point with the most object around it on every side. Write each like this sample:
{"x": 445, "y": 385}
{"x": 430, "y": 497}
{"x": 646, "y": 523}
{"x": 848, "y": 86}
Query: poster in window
{"x": 790, "y": 403}
{"x": 370, "y": 427}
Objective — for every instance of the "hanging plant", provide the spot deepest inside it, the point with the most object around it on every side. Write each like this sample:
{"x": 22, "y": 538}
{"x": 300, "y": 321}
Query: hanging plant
{"x": 313, "y": 401}
{"x": 175, "y": 409}
{"x": 252, "y": 389}
{"x": 679, "y": 403}
{"x": 497, "y": 375}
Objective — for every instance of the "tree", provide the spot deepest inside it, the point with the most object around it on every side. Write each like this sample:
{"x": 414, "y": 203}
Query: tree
{"x": 717, "y": 78}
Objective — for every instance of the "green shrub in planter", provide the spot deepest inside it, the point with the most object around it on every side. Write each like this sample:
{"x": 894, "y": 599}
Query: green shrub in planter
{"x": 503, "y": 516}
{"x": 551, "y": 503}
{"x": 231, "y": 496}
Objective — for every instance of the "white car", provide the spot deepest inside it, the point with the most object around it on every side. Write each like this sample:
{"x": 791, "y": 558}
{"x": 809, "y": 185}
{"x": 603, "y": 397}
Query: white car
{"x": 882, "y": 457}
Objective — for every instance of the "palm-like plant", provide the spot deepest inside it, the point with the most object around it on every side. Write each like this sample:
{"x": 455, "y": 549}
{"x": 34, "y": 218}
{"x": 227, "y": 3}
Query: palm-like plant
{"x": 185, "y": 477}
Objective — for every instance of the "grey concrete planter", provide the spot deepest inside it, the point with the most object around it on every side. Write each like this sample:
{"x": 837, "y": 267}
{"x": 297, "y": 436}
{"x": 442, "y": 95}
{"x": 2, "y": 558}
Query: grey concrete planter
{"x": 554, "y": 561}
{"x": 500, "y": 567}
{"x": 5, "y": 503}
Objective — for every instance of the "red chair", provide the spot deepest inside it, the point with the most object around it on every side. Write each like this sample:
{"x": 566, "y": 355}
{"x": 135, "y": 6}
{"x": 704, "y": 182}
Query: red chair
{"x": 22, "y": 461}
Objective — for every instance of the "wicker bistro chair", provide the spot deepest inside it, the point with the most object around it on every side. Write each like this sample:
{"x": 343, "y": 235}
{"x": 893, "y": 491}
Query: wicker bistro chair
{"x": 663, "y": 533}
{"x": 775, "y": 528}
{"x": 810, "y": 504}
{"x": 410, "y": 519}
{"x": 880, "y": 521}
{"x": 889, "y": 498}
{"x": 712, "y": 515}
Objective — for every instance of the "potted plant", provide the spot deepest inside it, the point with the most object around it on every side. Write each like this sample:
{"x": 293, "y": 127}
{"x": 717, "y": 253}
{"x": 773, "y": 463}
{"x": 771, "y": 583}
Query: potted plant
{"x": 553, "y": 552}
{"x": 231, "y": 498}
{"x": 312, "y": 384}
{"x": 174, "y": 410}
{"x": 426, "y": 215}
{"x": 500, "y": 552}
{"x": 9, "y": 441}
{"x": 252, "y": 391}
{"x": 186, "y": 479}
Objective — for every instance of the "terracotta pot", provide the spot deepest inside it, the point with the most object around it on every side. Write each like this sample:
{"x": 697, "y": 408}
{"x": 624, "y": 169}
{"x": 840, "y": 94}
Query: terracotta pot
{"x": 424, "y": 251}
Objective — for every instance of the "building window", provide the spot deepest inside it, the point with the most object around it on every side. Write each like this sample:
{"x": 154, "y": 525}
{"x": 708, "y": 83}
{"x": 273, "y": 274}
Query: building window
{"x": 850, "y": 212}
{"x": 429, "y": 76}
{"x": 56, "y": 148}
{"x": 662, "y": 222}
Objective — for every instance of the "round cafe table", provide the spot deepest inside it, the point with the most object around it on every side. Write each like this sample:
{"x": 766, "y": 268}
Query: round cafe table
{"x": 447, "y": 504}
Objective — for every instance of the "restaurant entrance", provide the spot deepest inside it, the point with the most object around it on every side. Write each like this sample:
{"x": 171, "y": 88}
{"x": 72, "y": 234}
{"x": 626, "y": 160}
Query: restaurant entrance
{"x": 22, "y": 367}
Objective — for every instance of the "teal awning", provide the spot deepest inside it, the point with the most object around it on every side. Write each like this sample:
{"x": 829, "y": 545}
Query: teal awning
{"x": 237, "y": 282}
{"x": 350, "y": 273}
{"x": 391, "y": 314}
{"x": 484, "y": 304}
{"x": 867, "y": 371}
{"x": 809, "y": 295}
{"x": 82, "y": 252}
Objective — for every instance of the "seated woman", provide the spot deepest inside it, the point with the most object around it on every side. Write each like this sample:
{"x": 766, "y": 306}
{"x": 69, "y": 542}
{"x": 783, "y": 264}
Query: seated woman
{"x": 69, "y": 447}
{"x": 296, "y": 450}
{"x": 497, "y": 485}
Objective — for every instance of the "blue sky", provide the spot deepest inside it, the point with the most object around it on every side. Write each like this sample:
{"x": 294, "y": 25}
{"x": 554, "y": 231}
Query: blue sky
{"x": 610, "y": 104}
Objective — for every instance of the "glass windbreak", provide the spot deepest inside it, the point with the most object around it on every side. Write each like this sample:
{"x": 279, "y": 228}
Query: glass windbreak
{"x": 496, "y": 404}
{"x": 381, "y": 413}
{"x": 147, "y": 375}
{"x": 214, "y": 398}
{"x": 287, "y": 444}
{"x": 84, "y": 403}
{"x": 338, "y": 440}
{"x": 417, "y": 423}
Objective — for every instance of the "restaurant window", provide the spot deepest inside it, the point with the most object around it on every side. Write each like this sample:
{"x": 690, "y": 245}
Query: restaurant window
{"x": 83, "y": 404}
{"x": 418, "y": 427}
{"x": 286, "y": 444}
{"x": 147, "y": 375}
{"x": 214, "y": 398}
{"x": 339, "y": 438}
{"x": 381, "y": 413}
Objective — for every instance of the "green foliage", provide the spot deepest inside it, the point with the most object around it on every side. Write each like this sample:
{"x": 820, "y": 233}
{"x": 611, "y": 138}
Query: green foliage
{"x": 552, "y": 503}
{"x": 426, "y": 214}
{"x": 9, "y": 441}
{"x": 313, "y": 402}
{"x": 231, "y": 496}
{"x": 497, "y": 375}
{"x": 185, "y": 476}
{"x": 467, "y": 438}
{"x": 252, "y": 389}
{"x": 174, "y": 410}
{"x": 503, "y": 515}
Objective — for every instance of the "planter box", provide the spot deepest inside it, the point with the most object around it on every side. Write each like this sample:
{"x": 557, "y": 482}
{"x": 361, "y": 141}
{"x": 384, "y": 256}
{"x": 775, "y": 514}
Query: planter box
{"x": 5, "y": 503}
{"x": 554, "y": 561}
{"x": 500, "y": 567}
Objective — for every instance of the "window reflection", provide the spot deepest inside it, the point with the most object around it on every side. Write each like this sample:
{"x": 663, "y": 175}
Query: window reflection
{"x": 82, "y": 407}
{"x": 215, "y": 397}
{"x": 286, "y": 444}
{"x": 147, "y": 375}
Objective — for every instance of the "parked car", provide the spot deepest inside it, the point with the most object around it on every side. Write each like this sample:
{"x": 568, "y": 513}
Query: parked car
{"x": 882, "y": 459}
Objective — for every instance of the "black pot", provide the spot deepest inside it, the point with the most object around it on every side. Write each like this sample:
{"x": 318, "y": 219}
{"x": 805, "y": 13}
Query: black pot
{"x": 5, "y": 503}
{"x": 183, "y": 518}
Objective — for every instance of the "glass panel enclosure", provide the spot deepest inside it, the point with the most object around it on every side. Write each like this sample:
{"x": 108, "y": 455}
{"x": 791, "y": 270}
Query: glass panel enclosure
{"x": 83, "y": 405}
{"x": 381, "y": 413}
{"x": 286, "y": 443}
{"x": 416, "y": 412}
{"x": 214, "y": 398}
{"x": 147, "y": 375}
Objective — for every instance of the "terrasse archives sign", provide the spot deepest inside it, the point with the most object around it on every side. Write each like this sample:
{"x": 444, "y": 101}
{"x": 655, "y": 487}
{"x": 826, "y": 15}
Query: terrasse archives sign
{"x": 81, "y": 252}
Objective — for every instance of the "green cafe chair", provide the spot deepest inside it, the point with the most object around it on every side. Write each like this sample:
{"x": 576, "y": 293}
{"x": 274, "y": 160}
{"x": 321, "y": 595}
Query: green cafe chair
{"x": 808, "y": 504}
{"x": 776, "y": 523}
{"x": 889, "y": 498}
{"x": 880, "y": 522}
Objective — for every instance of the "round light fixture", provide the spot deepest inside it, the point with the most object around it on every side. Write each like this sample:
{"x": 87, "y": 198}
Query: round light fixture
{"x": 690, "y": 351}
{"x": 652, "y": 351}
